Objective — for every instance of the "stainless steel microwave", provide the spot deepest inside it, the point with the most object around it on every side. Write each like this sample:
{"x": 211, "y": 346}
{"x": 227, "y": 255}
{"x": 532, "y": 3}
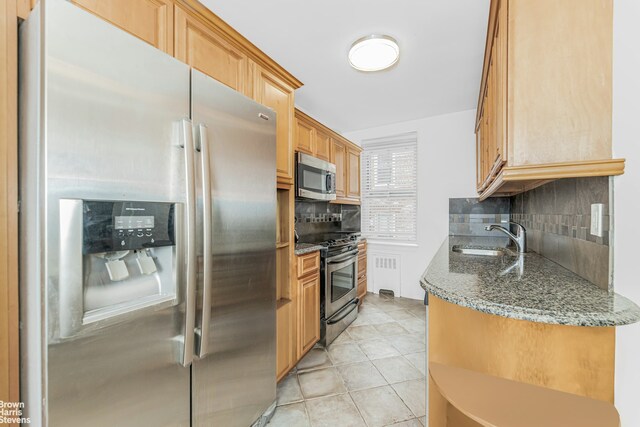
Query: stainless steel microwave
{"x": 315, "y": 178}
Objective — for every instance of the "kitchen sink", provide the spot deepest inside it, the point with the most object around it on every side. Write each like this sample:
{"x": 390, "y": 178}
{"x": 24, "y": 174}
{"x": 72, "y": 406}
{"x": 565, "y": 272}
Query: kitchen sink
{"x": 465, "y": 250}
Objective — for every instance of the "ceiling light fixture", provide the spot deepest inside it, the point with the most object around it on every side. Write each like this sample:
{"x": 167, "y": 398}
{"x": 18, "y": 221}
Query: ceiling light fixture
{"x": 374, "y": 53}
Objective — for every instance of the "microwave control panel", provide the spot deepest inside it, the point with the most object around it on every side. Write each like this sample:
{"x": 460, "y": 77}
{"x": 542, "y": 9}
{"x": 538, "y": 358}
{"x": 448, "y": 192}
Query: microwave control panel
{"x": 110, "y": 226}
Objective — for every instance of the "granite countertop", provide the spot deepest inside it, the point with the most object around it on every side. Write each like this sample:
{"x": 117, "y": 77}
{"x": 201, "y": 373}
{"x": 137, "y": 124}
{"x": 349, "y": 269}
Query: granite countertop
{"x": 306, "y": 248}
{"x": 526, "y": 287}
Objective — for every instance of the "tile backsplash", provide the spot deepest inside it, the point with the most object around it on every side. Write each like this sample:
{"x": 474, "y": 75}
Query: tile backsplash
{"x": 469, "y": 217}
{"x": 557, "y": 217}
{"x": 324, "y": 217}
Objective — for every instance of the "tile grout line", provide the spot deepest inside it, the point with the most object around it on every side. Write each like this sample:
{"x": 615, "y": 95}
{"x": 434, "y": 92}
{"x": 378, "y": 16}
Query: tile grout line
{"x": 408, "y": 332}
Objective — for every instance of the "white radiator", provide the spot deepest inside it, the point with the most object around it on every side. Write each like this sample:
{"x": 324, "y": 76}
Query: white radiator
{"x": 385, "y": 272}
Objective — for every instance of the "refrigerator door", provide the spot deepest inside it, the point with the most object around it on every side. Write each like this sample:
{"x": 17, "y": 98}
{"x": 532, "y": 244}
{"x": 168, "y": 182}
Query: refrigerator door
{"x": 102, "y": 122}
{"x": 234, "y": 381}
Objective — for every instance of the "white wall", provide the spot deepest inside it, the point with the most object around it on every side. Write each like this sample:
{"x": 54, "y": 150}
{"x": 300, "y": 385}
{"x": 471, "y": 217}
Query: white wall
{"x": 626, "y": 143}
{"x": 446, "y": 168}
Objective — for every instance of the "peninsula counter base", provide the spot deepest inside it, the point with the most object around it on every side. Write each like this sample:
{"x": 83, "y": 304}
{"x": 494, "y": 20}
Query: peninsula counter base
{"x": 573, "y": 359}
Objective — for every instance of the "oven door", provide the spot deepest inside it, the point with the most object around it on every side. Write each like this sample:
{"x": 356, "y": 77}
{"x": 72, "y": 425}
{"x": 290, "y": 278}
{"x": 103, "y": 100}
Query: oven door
{"x": 340, "y": 281}
{"x": 315, "y": 178}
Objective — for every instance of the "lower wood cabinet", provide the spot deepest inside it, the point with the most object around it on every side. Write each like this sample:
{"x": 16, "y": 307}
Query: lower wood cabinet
{"x": 309, "y": 312}
{"x": 299, "y": 319}
{"x": 285, "y": 338}
{"x": 362, "y": 269}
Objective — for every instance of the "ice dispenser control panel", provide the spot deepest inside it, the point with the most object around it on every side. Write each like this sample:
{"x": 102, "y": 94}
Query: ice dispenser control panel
{"x": 117, "y": 226}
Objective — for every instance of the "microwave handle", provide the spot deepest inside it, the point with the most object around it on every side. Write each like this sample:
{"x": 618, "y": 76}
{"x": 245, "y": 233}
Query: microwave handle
{"x": 329, "y": 183}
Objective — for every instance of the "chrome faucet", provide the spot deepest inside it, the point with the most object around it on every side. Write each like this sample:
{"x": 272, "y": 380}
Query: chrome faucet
{"x": 520, "y": 238}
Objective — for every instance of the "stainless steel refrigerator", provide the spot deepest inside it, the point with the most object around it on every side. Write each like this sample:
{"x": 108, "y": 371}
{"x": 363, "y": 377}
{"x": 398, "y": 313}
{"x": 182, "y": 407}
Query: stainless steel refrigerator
{"x": 148, "y": 225}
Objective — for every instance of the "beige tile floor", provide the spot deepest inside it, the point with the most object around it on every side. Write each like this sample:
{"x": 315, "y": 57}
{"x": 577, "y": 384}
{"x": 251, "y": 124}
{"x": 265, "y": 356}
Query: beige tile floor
{"x": 373, "y": 375}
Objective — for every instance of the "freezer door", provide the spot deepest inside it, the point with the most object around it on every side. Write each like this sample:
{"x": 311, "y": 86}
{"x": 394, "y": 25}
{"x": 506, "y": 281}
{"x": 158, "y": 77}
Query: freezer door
{"x": 100, "y": 121}
{"x": 234, "y": 381}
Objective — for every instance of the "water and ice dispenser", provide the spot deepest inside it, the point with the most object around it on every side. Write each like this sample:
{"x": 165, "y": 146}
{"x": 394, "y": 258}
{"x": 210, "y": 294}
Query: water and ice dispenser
{"x": 116, "y": 258}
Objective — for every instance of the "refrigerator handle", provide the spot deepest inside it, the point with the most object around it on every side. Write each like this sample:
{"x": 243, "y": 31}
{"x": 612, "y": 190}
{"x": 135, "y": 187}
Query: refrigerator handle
{"x": 186, "y": 142}
{"x": 207, "y": 224}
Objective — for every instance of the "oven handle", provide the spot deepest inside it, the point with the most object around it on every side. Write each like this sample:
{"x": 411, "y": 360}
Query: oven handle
{"x": 345, "y": 257}
{"x": 353, "y": 303}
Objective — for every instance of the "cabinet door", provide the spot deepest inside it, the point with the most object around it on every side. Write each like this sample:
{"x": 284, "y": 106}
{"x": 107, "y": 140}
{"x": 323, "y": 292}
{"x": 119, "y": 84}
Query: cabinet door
{"x": 310, "y": 312}
{"x": 200, "y": 46}
{"x": 284, "y": 339}
{"x": 353, "y": 173}
{"x": 339, "y": 158}
{"x": 277, "y": 95}
{"x": 362, "y": 287}
{"x": 323, "y": 146}
{"x": 304, "y": 137}
{"x": 149, "y": 20}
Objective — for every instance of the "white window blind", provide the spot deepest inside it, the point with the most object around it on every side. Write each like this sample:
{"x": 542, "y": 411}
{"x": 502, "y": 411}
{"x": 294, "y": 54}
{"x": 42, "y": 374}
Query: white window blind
{"x": 389, "y": 187}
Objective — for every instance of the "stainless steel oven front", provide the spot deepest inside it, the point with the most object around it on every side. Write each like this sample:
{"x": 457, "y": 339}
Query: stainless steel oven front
{"x": 341, "y": 275}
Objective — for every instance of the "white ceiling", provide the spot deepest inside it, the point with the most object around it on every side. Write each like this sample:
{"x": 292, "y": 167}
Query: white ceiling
{"x": 441, "y": 42}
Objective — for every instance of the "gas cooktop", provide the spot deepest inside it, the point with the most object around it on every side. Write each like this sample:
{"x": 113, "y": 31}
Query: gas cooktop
{"x": 337, "y": 238}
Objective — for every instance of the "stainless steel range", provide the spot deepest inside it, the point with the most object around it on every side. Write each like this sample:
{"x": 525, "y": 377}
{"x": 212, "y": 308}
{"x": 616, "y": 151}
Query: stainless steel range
{"x": 338, "y": 275}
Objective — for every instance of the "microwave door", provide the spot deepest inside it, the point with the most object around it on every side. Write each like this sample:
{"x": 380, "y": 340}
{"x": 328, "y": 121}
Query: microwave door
{"x": 315, "y": 183}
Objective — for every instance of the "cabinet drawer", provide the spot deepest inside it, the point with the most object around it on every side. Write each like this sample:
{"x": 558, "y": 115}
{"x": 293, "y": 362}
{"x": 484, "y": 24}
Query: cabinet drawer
{"x": 308, "y": 264}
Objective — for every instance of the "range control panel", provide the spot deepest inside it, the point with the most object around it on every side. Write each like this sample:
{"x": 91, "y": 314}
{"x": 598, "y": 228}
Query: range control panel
{"x": 114, "y": 226}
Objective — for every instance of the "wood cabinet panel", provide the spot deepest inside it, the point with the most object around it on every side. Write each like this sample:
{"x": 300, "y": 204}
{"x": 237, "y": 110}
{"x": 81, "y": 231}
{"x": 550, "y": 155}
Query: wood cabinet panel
{"x": 199, "y": 45}
{"x": 562, "y": 87}
{"x": 305, "y": 135}
{"x": 362, "y": 265}
{"x": 362, "y": 288}
{"x": 277, "y": 95}
{"x": 284, "y": 339}
{"x": 9, "y": 323}
{"x": 339, "y": 158}
{"x": 544, "y": 110}
{"x": 149, "y": 20}
{"x": 573, "y": 359}
{"x": 353, "y": 182}
{"x": 362, "y": 269}
{"x": 309, "y": 294}
{"x": 323, "y": 146}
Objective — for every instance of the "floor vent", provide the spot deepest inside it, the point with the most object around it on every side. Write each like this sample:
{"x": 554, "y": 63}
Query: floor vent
{"x": 385, "y": 276}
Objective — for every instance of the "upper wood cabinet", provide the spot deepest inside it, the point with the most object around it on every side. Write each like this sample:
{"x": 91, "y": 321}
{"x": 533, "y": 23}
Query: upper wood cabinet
{"x": 311, "y": 137}
{"x": 202, "y": 46}
{"x": 276, "y": 94}
{"x": 305, "y": 136}
{"x": 346, "y": 157}
{"x": 339, "y": 158}
{"x": 544, "y": 110}
{"x": 323, "y": 145}
{"x": 353, "y": 175}
{"x": 149, "y": 20}
{"x": 314, "y": 138}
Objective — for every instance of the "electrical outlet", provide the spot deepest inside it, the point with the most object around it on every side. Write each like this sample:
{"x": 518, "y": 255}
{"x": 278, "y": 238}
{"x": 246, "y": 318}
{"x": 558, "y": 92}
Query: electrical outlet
{"x": 597, "y": 219}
